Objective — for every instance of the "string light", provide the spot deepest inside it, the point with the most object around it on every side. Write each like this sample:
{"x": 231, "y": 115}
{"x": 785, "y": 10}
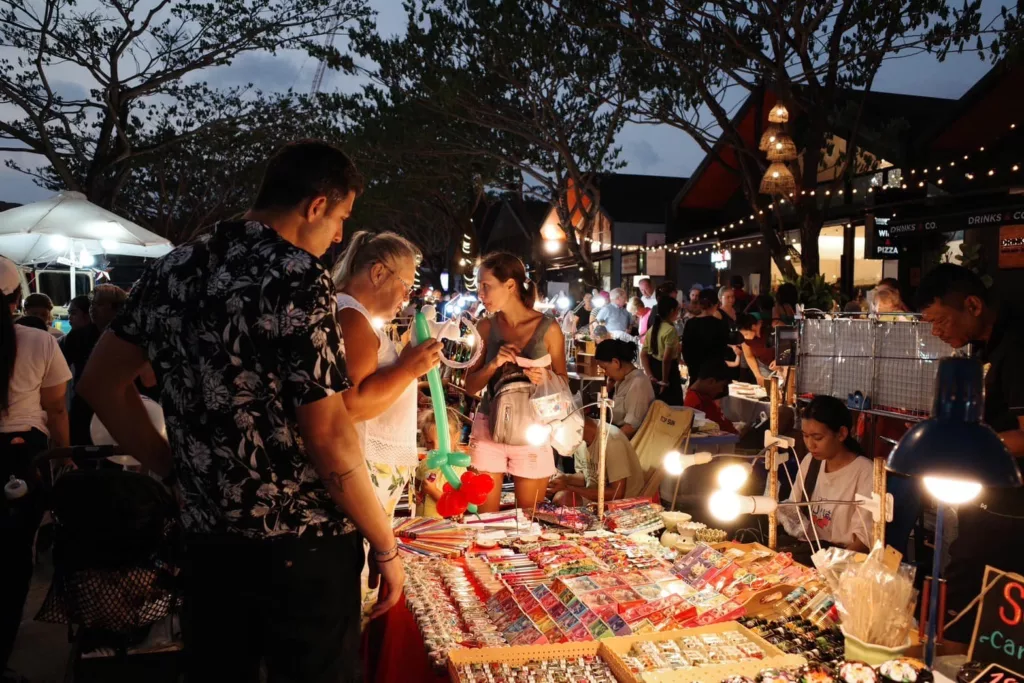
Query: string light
{"x": 677, "y": 247}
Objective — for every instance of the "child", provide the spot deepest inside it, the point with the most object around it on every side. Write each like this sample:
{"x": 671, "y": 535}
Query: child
{"x": 430, "y": 482}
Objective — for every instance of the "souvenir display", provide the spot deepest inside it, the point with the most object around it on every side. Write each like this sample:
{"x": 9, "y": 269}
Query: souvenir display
{"x": 904, "y": 670}
{"x": 707, "y": 649}
{"x": 432, "y": 537}
{"x": 794, "y": 635}
{"x": 501, "y": 567}
{"x": 632, "y": 516}
{"x": 739, "y": 573}
{"x": 619, "y": 552}
{"x": 447, "y": 609}
{"x": 577, "y": 519}
{"x": 505, "y": 580}
{"x": 565, "y": 559}
{"x": 575, "y": 670}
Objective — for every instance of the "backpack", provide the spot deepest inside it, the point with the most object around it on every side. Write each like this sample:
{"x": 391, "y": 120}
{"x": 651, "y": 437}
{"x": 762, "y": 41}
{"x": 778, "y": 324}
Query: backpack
{"x": 510, "y": 409}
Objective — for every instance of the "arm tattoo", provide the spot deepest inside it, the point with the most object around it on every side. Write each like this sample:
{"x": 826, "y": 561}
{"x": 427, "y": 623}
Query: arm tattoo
{"x": 336, "y": 480}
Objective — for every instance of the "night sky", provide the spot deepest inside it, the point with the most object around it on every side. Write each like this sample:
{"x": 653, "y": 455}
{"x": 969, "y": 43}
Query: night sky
{"x": 651, "y": 150}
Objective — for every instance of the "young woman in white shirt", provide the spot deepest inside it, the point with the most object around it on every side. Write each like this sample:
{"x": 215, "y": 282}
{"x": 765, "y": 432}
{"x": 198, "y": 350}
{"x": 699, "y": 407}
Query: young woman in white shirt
{"x": 842, "y": 473}
{"x": 634, "y": 393}
{"x": 33, "y": 381}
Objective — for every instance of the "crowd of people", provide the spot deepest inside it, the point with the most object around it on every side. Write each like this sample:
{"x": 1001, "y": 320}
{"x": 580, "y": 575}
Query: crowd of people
{"x": 293, "y": 423}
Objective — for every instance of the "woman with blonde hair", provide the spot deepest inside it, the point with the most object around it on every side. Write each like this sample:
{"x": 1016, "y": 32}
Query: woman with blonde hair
{"x": 374, "y": 278}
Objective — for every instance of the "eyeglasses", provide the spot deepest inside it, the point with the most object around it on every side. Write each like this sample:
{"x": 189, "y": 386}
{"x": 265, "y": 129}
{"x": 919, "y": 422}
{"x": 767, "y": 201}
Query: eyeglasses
{"x": 401, "y": 279}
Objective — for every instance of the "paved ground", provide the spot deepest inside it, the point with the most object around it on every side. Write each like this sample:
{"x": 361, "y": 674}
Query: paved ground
{"x": 41, "y": 651}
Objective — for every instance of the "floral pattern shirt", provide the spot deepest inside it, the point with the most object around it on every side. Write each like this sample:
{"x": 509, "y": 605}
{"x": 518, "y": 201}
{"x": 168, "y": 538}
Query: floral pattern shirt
{"x": 240, "y": 328}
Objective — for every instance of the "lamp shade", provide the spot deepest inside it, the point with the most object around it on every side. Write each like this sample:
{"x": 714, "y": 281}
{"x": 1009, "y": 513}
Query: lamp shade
{"x": 953, "y": 443}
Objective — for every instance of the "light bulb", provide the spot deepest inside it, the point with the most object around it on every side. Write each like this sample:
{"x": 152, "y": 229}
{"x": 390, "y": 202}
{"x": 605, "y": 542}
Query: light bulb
{"x": 673, "y": 463}
{"x": 733, "y": 477}
{"x": 598, "y": 301}
{"x": 537, "y": 434}
{"x": 551, "y": 246}
{"x": 563, "y": 302}
{"x": 724, "y": 505}
{"x": 58, "y": 242}
{"x": 952, "y": 491}
{"x": 85, "y": 259}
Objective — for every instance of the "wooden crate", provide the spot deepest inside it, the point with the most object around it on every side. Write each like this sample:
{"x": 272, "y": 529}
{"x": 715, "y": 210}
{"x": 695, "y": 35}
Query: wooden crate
{"x": 535, "y": 653}
{"x": 617, "y": 648}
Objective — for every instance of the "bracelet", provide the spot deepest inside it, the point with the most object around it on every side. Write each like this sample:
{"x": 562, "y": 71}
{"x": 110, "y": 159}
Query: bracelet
{"x": 379, "y": 554}
{"x": 393, "y": 557}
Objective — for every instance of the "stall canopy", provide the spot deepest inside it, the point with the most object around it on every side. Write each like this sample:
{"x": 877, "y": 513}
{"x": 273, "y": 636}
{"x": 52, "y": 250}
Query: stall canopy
{"x": 64, "y": 226}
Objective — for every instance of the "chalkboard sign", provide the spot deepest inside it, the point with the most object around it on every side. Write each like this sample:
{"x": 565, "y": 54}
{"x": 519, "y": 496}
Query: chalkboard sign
{"x": 999, "y": 629}
{"x": 993, "y": 673}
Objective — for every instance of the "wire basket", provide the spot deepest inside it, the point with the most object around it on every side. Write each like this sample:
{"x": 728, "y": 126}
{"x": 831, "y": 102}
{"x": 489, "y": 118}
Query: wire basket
{"x": 894, "y": 363}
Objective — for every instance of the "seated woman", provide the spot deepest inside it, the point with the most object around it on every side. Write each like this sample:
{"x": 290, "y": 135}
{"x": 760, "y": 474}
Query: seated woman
{"x": 833, "y": 470}
{"x": 624, "y": 476}
{"x": 633, "y": 391}
{"x": 711, "y": 384}
{"x": 756, "y": 354}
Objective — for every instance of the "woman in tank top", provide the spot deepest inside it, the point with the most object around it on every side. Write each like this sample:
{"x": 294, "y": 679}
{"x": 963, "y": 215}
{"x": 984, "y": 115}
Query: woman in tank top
{"x": 374, "y": 278}
{"x": 513, "y": 330}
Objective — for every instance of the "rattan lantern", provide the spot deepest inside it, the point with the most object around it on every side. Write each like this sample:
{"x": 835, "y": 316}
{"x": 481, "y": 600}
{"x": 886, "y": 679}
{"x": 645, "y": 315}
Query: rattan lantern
{"x": 778, "y": 180}
{"x": 778, "y": 114}
{"x": 768, "y": 137}
{"x": 782, "y": 149}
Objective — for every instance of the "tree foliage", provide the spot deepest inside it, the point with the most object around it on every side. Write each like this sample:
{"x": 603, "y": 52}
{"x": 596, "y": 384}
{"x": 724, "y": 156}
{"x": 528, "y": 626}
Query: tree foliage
{"x": 695, "y": 61}
{"x": 141, "y": 68}
{"x": 516, "y": 84}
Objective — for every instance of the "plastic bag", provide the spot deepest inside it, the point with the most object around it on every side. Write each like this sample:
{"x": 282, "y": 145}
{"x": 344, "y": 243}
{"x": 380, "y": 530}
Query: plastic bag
{"x": 876, "y": 603}
{"x": 551, "y": 399}
{"x": 567, "y": 433}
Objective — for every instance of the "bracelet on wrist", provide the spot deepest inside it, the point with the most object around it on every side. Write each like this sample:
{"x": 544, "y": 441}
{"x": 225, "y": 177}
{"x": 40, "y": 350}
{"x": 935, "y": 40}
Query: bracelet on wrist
{"x": 379, "y": 554}
{"x": 393, "y": 557}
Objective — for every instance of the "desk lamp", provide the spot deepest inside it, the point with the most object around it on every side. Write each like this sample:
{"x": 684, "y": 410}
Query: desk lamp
{"x": 956, "y": 455}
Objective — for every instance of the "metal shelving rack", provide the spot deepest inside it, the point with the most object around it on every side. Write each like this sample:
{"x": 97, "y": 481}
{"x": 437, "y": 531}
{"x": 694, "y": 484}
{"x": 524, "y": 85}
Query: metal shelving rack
{"x": 892, "y": 362}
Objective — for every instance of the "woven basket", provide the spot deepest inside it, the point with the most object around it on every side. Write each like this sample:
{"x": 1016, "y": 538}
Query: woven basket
{"x": 783, "y": 149}
{"x": 778, "y": 114}
{"x": 778, "y": 180}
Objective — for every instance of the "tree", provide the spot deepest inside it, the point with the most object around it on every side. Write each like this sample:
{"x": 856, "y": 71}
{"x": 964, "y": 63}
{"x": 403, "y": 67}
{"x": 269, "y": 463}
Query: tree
{"x": 419, "y": 184}
{"x": 214, "y": 175}
{"x": 519, "y": 85}
{"x": 141, "y": 66}
{"x": 694, "y": 61}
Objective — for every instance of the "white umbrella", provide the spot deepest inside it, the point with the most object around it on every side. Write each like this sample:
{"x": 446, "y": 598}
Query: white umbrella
{"x": 67, "y": 224}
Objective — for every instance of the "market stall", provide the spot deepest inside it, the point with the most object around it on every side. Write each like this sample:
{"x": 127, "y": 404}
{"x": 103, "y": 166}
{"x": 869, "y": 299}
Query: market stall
{"x": 556, "y": 595}
{"x": 623, "y": 590}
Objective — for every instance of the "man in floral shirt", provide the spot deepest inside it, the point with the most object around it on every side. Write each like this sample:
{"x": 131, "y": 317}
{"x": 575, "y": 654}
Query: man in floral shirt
{"x": 239, "y": 326}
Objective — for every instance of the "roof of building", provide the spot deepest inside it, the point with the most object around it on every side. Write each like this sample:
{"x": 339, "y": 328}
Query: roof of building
{"x": 715, "y": 181}
{"x": 982, "y": 115}
{"x": 632, "y": 198}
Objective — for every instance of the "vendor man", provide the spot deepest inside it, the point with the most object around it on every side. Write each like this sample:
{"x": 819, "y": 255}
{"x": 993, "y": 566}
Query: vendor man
{"x": 624, "y": 477}
{"x": 614, "y": 316}
{"x": 962, "y": 310}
